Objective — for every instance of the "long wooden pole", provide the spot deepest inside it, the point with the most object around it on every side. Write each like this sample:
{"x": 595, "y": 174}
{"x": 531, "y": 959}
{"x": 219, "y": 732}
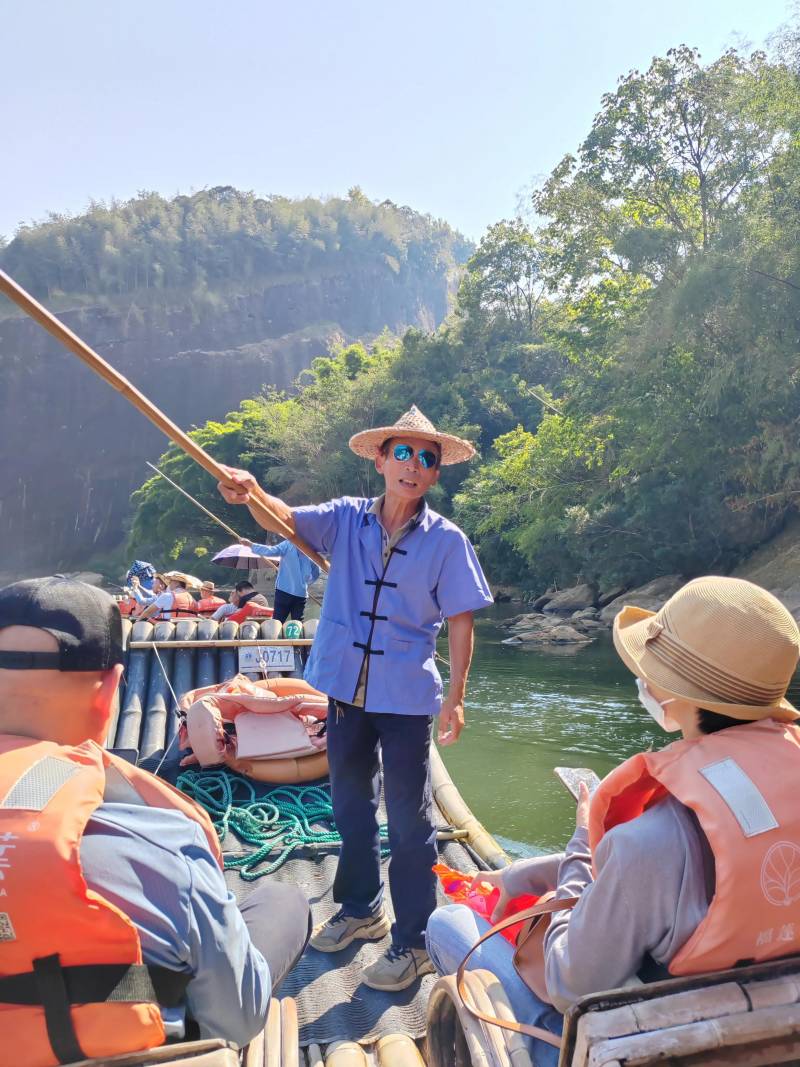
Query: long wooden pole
{"x": 261, "y": 511}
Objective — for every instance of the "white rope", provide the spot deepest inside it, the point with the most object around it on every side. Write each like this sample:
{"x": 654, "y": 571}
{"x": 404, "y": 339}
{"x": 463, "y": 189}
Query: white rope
{"x": 176, "y": 708}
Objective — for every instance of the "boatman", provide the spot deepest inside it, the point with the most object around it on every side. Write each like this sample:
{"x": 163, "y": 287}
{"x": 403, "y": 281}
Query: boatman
{"x": 397, "y": 571}
{"x": 295, "y": 573}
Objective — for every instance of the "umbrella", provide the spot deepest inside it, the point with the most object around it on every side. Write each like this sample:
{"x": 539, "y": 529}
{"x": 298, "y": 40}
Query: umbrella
{"x": 241, "y": 558}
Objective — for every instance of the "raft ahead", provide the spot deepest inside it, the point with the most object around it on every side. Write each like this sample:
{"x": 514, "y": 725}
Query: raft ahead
{"x": 750, "y": 1015}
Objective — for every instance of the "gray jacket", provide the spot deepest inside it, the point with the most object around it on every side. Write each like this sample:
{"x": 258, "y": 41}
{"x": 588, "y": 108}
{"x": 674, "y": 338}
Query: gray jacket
{"x": 655, "y": 879}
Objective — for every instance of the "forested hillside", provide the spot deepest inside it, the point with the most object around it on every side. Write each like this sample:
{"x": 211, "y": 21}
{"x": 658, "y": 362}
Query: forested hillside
{"x": 200, "y": 301}
{"x": 628, "y": 366}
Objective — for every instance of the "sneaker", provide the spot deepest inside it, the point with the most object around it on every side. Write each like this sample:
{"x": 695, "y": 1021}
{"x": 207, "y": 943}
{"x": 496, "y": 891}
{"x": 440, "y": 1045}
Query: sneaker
{"x": 397, "y": 969}
{"x": 341, "y": 930}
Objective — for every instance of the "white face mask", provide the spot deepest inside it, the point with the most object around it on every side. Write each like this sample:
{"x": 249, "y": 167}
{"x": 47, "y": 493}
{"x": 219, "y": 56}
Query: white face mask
{"x": 656, "y": 708}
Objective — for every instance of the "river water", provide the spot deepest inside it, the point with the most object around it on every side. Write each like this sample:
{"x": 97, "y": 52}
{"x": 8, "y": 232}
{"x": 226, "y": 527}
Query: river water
{"x": 529, "y": 711}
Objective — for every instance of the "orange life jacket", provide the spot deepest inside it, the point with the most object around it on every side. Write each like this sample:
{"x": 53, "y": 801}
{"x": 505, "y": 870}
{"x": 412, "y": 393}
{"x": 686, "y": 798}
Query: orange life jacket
{"x": 741, "y": 783}
{"x": 55, "y": 933}
{"x": 127, "y": 606}
{"x": 184, "y": 605}
{"x": 209, "y": 604}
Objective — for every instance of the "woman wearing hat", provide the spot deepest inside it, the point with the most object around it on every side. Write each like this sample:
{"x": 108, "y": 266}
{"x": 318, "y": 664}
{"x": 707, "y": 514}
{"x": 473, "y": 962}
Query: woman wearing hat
{"x": 684, "y": 860}
{"x": 397, "y": 571}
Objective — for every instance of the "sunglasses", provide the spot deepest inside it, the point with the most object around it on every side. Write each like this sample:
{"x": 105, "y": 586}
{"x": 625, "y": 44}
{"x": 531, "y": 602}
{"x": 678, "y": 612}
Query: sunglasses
{"x": 403, "y": 453}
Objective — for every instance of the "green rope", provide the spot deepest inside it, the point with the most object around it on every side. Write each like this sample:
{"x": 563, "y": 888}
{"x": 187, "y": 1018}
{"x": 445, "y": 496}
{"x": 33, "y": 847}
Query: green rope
{"x": 286, "y": 818}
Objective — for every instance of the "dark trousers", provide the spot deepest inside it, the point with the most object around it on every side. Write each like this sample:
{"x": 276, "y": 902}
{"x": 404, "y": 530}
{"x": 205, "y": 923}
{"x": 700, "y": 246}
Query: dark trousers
{"x": 278, "y": 920}
{"x": 353, "y": 739}
{"x": 288, "y": 606}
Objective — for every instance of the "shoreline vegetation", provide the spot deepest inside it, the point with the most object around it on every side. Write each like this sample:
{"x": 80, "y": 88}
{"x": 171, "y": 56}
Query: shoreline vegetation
{"x": 627, "y": 365}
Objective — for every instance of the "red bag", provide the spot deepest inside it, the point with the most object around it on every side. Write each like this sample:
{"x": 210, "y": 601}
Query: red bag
{"x": 482, "y": 899}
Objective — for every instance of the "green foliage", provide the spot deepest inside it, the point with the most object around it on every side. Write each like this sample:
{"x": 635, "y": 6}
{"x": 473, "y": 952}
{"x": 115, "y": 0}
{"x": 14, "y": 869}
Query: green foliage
{"x": 628, "y": 370}
{"x": 203, "y": 242}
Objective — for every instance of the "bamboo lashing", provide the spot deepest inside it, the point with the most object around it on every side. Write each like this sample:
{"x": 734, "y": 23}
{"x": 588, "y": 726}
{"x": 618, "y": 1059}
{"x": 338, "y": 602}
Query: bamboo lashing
{"x": 260, "y": 510}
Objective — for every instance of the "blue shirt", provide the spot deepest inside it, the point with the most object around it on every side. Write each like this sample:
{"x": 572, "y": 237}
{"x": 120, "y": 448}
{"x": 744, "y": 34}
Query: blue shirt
{"x": 155, "y": 866}
{"x": 389, "y": 614}
{"x": 296, "y": 571}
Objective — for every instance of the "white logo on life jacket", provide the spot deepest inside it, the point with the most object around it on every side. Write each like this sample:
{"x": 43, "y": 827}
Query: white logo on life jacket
{"x": 780, "y": 874}
{"x": 6, "y": 928}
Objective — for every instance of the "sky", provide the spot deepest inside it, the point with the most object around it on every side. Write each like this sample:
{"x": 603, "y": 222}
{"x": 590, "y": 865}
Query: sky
{"x": 454, "y": 107}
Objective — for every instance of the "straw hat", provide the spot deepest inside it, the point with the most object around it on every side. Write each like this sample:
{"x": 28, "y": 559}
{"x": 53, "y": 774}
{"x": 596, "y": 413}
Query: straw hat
{"x": 414, "y": 424}
{"x": 723, "y": 644}
{"x": 188, "y": 579}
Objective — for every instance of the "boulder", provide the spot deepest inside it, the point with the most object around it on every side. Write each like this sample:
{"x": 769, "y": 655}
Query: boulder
{"x": 560, "y": 634}
{"x": 586, "y": 613}
{"x": 569, "y": 600}
{"x": 642, "y": 598}
{"x": 540, "y": 601}
{"x": 607, "y": 595}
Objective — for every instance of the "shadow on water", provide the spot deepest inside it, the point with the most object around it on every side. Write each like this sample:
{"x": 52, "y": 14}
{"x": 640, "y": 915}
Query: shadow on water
{"x": 529, "y": 711}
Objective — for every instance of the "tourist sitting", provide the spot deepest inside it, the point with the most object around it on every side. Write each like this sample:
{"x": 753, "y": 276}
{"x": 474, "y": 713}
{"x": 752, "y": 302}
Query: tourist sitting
{"x": 226, "y": 610}
{"x": 144, "y": 597}
{"x": 208, "y": 602}
{"x": 680, "y": 859}
{"x": 143, "y": 572}
{"x": 105, "y": 864}
{"x": 251, "y": 604}
{"x": 175, "y": 603}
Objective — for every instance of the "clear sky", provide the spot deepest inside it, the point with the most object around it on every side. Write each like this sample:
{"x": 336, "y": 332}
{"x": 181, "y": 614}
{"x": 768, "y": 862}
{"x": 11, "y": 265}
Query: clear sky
{"x": 450, "y": 106}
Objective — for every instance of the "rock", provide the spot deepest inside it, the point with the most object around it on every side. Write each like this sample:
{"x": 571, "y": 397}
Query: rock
{"x": 610, "y": 612}
{"x": 569, "y": 600}
{"x": 540, "y": 601}
{"x": 586, "y": 613}
{"x": 555, "y": 635}
{"x": 610, "y": 594}
{"x": 511, "y": 641}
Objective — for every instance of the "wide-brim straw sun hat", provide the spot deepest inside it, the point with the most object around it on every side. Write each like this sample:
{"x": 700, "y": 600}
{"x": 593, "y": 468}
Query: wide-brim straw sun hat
{"x": 724, "y": 644}
{"x": 413, "y": 423}
{"x": 188, "y": 579}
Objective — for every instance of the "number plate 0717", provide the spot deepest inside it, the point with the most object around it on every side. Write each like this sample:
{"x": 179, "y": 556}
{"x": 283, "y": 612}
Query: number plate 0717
{"x": 266, "y": 658}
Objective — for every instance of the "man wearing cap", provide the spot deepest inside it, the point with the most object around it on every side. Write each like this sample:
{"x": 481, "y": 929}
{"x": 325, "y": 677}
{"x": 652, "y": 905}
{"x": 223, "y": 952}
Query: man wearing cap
{"x": 683, "y": 860}
{"x": 397, "y": 571}
{"x": 112, "y": 896}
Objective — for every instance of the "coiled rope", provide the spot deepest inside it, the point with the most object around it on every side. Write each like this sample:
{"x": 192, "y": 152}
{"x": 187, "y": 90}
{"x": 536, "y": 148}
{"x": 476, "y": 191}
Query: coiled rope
{"x": 285, "y": 819}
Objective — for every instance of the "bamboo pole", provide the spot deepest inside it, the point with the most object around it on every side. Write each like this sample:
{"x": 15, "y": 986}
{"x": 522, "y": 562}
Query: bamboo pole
{"x": 214, "y": 642}
{"x": 210, "y": 514}
{"x": 261, "y": 511}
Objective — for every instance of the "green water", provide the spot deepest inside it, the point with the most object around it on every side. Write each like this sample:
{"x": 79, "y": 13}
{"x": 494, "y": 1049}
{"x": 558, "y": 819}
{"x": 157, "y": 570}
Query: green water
{"x": 530, "y": 711}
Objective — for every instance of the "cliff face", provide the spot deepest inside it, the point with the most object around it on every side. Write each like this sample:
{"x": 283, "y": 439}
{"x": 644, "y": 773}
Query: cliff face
{"x": 74, "y": 450}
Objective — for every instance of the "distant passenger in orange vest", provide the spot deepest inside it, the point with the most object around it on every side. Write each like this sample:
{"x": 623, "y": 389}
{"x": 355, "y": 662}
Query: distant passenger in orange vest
{"x": 208, "y": 602}
{"x": 684, "y": 860}
{"x": 105, "y": 867}
{"x": 176, "y": 603}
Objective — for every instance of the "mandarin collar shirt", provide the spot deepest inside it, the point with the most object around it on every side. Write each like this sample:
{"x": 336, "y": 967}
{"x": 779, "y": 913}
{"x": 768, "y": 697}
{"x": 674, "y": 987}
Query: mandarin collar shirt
{"x": 385, "y": 602}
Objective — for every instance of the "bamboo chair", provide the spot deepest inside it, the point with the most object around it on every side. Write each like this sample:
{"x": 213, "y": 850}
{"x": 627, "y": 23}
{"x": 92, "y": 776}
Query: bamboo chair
{"x": 748, "y": 1015}
{"x": 276, "y": 1046}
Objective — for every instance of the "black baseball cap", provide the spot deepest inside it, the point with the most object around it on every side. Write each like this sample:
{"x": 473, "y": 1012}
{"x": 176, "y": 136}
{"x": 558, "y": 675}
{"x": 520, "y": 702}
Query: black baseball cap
{"x": 83, "y": 619}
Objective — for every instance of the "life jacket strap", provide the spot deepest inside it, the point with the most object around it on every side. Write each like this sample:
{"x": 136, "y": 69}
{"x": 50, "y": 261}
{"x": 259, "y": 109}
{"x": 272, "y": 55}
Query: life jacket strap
{"x": 56, "y": 988}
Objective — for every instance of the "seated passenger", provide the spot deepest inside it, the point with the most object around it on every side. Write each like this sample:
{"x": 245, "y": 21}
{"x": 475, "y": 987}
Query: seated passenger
{"x": 103, "y": 863}
{"x": 684, "y": 860}
{"x": 176, "y": 603}
{"x": 251, "y": 604}
{"x": 208, "y": 602}
{"x": 144, "y": 597}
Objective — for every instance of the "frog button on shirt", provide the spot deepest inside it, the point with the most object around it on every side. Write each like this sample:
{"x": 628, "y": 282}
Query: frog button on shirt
{"x": 385, "y": 603}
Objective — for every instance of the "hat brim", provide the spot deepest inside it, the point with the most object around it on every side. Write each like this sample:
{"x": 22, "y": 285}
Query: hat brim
{"x": 630, "y": 640}
{"x": 367, "y": 444}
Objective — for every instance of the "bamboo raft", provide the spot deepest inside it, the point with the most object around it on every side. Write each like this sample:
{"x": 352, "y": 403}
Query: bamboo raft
{"x": 748, "y": 1016}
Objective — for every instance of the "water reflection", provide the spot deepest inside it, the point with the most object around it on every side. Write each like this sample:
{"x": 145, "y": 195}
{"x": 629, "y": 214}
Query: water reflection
{"x": 530, "y": 711}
